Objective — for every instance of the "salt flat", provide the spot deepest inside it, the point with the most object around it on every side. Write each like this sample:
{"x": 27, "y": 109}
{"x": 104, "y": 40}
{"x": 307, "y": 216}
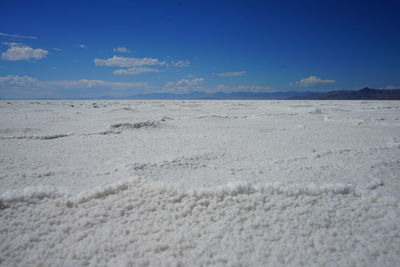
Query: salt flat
{"x": 200, "y": 183}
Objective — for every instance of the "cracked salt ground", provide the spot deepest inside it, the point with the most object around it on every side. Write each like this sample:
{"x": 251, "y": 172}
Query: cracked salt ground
{"x": 213, "y": 183}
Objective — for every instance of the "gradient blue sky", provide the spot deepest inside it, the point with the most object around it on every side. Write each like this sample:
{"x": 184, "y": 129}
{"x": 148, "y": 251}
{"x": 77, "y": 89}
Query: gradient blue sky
{"x": 70, "y": 48}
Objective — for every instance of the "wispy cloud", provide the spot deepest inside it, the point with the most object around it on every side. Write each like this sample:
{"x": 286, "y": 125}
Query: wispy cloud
{"x": 116, "y": 61}
{"x": 12, "y": 44}
{"x": 135, "y": 70}
{"x": 122, "y": 50}
{"x": 18, "y": 36}
{"x": 183, "y": 85}
{"x": 242, "y": 88}
{"x": 22, "y": 52}
{"x": 11, "y": 81}
{"x": 82, "y": 46}
{"x": 135, "y": 65}
{"x": 27, "y": 84}
{"x": 15, "y": 80}
{"x": 231, "y": 74}
{"x": 196, "y": 84}
{"x": 181, "y": 63}
{"x": 391, "y": 87}
{"x": 84, "y": 83}
{"x": 311, "y": 81}
{"x": 185, "y": 82}
{"x": 57, "y": 49}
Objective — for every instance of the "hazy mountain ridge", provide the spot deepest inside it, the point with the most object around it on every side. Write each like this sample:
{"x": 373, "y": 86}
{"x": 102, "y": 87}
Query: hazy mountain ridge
{"x": 362, "y": 94}
{"x": 220, "y": 95}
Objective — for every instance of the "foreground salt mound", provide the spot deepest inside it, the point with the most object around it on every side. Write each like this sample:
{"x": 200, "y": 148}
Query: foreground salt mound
{"x": 141, "y": 223}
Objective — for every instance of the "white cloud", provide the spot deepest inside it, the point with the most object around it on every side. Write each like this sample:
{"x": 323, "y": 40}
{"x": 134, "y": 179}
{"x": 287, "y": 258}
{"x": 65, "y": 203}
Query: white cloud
{"x": 187, "y": 85}
{"x": 122, "y": 50}
{"x": 87, "y": 84}
{"x": 231, "y": 74}
{"x": 116, "y": 61}
{"x": 311, "y": 81}
{"x": 82, "y": 46}
{"x": 16, "y": 81}
{"x": 84, "y": 83}
{"x": 23, "y": 53}
{"x": 196, "y": 84}
{"x": 181, "y": 63}
{"x": 183, "y": 85}
{"x": 243, "y": 88}
{"x": 186, "y": 82}
{"x": 136, "y": 65}
{"x": 18, "y": 36}
{"x": 390, "y": 87}
{"x": 134, "y": 71}
{"x": 12, "y": 44}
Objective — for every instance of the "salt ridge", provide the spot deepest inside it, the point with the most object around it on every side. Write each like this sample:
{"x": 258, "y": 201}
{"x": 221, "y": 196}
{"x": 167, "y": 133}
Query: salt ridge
{"x": 32, "y": 194}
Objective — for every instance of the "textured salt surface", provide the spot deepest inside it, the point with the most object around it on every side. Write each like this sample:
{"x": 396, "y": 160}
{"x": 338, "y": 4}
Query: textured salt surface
{"x": 136, "y": 223}
{"x": 200, "y": 183}
{"x": 38, "y": 137}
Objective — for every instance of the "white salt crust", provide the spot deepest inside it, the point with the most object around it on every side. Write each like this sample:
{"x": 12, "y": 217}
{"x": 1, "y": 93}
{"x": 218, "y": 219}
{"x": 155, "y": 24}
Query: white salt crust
{"x": 197, "y": 183}
{"x": 132, "y": 223}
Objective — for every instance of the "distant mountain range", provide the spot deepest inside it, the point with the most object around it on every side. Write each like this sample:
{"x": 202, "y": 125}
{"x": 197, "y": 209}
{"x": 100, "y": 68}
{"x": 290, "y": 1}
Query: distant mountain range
{"x": 220, "y": 96}
{"x": 362, "y": 94}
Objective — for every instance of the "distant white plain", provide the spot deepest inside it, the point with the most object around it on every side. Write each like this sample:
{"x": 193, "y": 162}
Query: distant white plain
{"x": 169, "y": 183}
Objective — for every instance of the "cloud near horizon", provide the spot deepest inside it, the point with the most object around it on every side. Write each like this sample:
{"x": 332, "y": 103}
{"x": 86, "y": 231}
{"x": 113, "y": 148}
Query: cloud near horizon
{"x": 231, "y": 74}
{"x": 391, "y": 87}
{"x": 18, "y": 51}
{"x": 183, "y": 85}
{"x": 11, "y": 81}
{"x": 196, "y": 84}
{"x": 311, "y": 81}
{"x": 243, "y": 88}
{"x": 28, "y": 83}
{"x": 16, "y": 80}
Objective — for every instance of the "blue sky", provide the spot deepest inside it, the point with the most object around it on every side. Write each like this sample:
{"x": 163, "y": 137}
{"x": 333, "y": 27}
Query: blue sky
{"x": 120, "y": 48}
